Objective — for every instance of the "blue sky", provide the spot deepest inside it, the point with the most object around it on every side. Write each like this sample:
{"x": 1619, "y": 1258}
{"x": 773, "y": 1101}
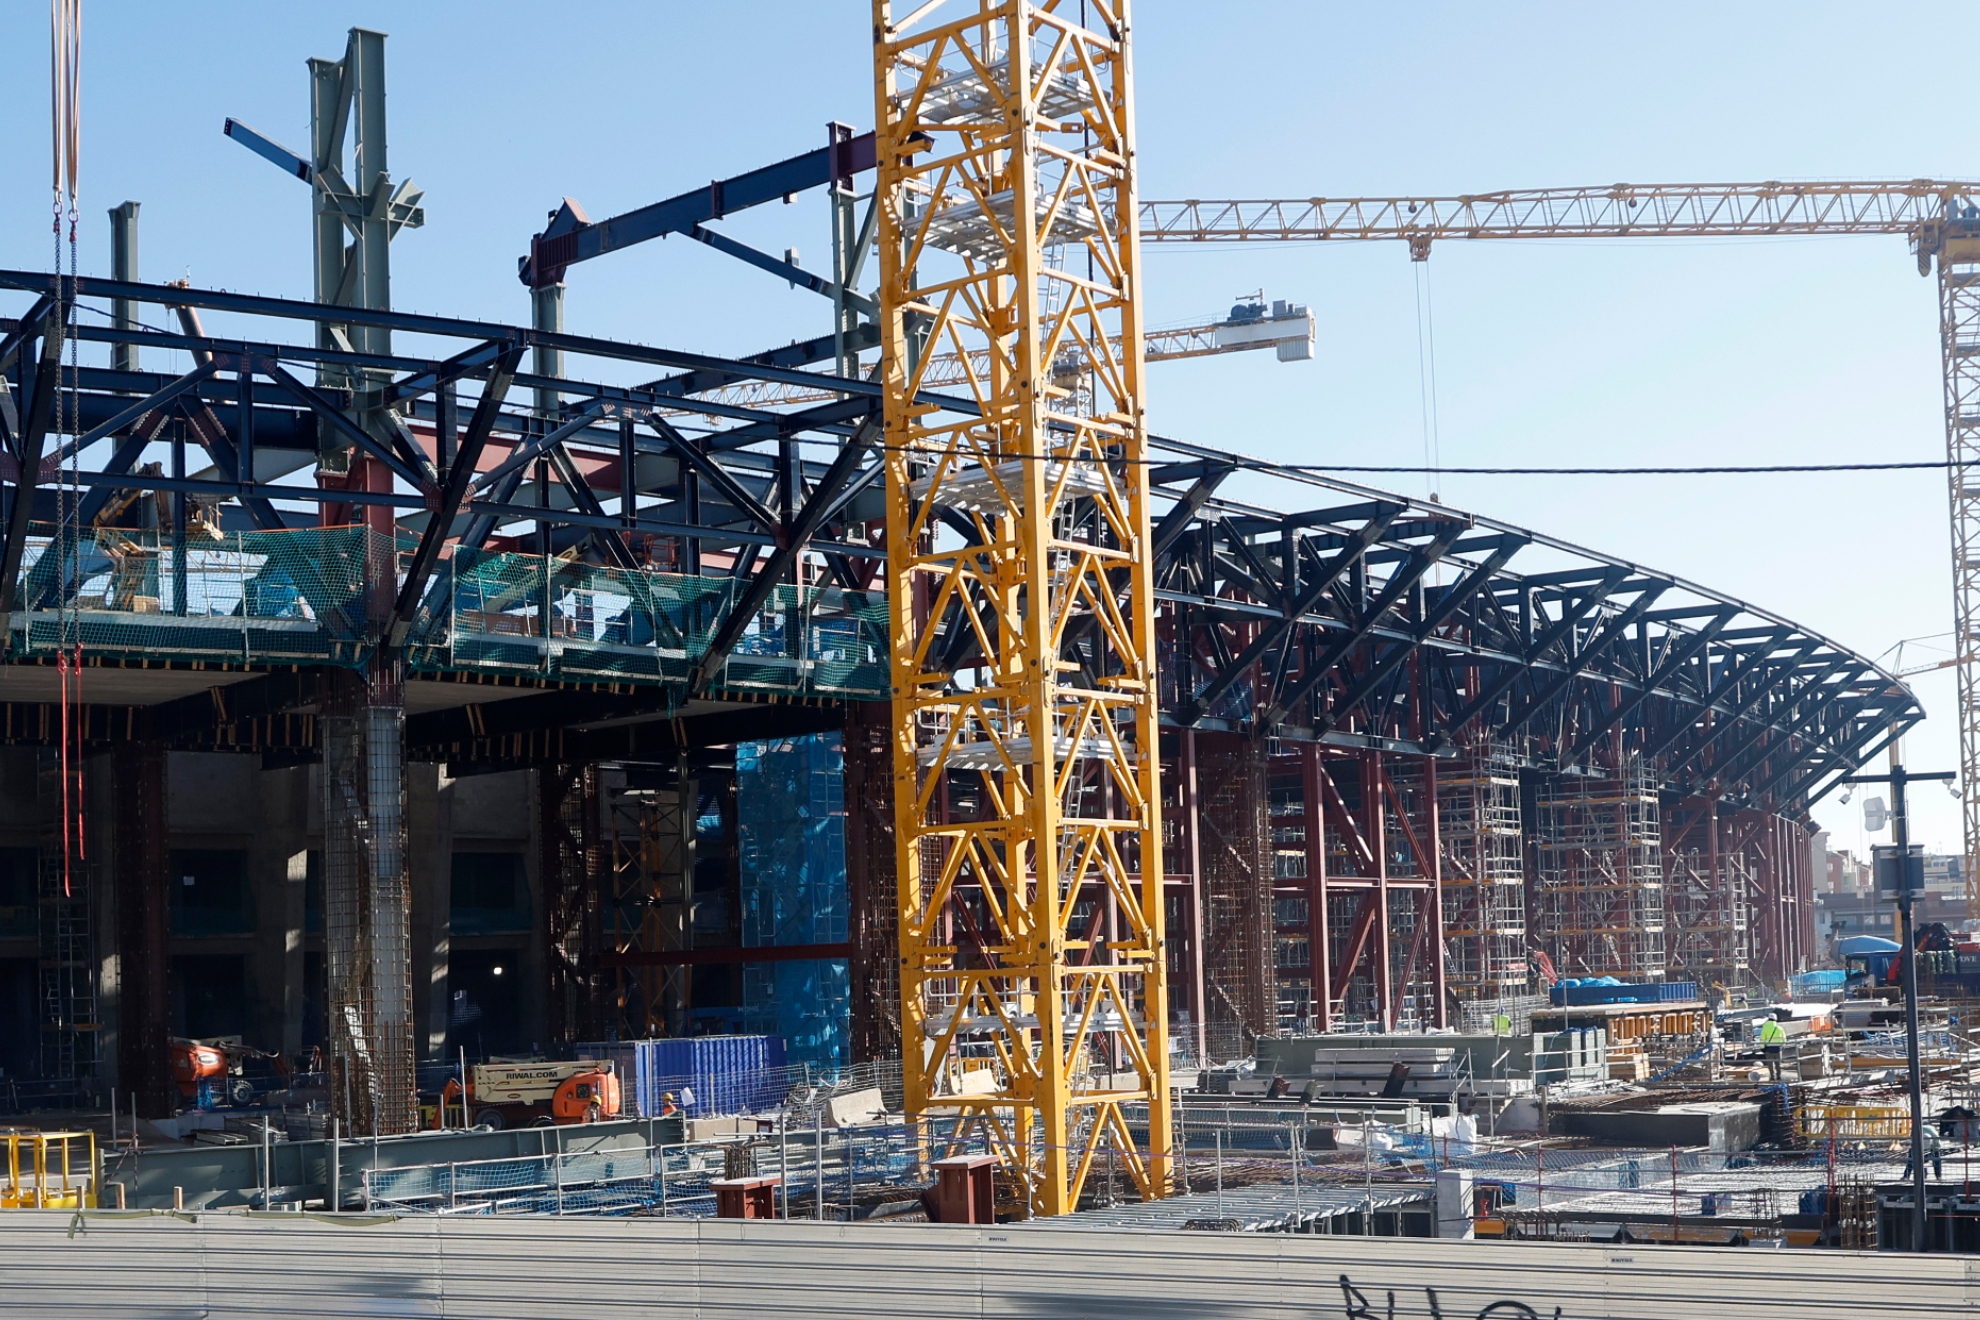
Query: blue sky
{"x": 1546, "y": 353}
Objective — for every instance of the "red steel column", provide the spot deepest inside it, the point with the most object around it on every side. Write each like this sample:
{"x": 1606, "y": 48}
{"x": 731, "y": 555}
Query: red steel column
{"x": 1199, "y": 1001}
{"x": 1318, "y": 936}
{"x": 1373, "y": 784}
{"x": 1434, "y": 900}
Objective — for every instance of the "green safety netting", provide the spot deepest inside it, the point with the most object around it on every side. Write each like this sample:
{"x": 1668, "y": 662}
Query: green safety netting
{"x": 300, "y": 597}
{"x": 490, "y": 608}
{"x": 238, "y": 597}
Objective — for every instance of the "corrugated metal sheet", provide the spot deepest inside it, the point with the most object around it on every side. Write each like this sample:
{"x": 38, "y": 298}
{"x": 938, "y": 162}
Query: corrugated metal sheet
{"x": 1248, "y": 1209}
{"x": 224, "y": 1177}
{"x": 227, "y": 1265}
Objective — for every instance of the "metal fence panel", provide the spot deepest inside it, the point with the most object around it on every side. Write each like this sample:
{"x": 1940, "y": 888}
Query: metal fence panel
{"x": 224, "y": 1265}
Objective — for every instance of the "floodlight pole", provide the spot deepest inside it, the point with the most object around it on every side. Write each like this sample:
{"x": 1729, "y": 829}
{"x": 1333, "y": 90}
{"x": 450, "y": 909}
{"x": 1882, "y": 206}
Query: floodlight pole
{"x": 1908, "y": 954}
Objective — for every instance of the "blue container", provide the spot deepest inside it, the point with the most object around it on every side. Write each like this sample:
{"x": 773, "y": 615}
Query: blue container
{"x": 1608, "y": 990}
{"x": 723, "y": 1074}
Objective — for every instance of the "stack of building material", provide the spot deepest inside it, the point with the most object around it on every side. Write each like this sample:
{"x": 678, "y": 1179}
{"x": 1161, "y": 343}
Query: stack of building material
{"x": 1721, "y": 1126}
{"x": 1439, "y": 1065}
{"x": 1628, "y": 1062}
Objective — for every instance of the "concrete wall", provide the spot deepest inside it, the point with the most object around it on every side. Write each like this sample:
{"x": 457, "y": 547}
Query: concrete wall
{"x": 272, "y": 819}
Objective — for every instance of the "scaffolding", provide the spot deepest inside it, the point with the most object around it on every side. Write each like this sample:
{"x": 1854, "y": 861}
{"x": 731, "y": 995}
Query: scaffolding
{"x": 1708, "y": 897}
{"x": 1601, "y": 873}
{"x": 649, "y": 830}
{"x": 1484, "y": 872}
{"x": 1239, "y": 961}
{"x": 1291, "y": 817}
{"x": 367, "y": 904}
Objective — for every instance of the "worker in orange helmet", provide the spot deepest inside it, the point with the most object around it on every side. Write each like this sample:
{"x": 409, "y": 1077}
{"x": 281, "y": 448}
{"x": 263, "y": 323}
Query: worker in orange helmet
{"x": 667, "y": 1105}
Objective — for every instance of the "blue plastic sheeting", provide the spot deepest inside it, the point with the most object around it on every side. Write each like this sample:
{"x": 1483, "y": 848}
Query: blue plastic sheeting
{"x": 1608, "y": 990}
{"x": 809, "y": 1000}
{"x": 1817, "y": 983}
{"x": 705, "y": 1074}
{"x": 791, "y": 840}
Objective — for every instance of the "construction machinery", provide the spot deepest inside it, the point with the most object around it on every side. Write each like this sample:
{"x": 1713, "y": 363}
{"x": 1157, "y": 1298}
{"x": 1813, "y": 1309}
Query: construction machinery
{"x": 537, "y": 1093}
{"x": 224, "y": 1070}
{"x": 1940, "y": 218}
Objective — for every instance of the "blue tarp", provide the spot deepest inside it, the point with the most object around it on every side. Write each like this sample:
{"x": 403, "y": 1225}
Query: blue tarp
{"x": 791, "y": 834}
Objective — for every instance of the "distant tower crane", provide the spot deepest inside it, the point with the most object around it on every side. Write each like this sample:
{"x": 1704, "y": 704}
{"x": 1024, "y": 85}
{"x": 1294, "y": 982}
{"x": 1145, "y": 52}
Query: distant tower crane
{"x": 1941, "y": 218}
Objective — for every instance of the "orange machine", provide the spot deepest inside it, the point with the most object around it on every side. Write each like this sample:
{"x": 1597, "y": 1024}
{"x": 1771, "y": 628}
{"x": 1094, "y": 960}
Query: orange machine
{"x": 194, "y": 1062}
{"x": 535, "y": 1094}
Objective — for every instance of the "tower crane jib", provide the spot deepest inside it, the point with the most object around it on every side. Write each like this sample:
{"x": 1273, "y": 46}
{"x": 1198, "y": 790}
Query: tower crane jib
{"x": 1941, "y": 218}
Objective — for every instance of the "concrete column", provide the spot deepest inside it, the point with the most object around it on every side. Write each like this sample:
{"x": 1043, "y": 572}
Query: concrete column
{"x": 277, "y": 868}
{"x": 295, "y": 918}
{"x": 367, "y": 902}
{"x": 433, "y": 907}
{"x": 871, "y": 879}
{"x": 144, "y": 1001}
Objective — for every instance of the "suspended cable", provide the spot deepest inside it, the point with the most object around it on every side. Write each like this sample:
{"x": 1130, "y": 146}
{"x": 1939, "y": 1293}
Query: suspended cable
{"x": 1426, "y": 376}
{"x": 65, "y": 123}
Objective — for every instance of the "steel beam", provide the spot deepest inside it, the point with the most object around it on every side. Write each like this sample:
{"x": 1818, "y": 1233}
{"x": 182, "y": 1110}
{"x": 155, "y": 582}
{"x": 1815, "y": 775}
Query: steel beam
{"x": 1586, "y": 656}
{"x": 1310, "y": 594}
{"x": 1685, "y": 648}
{"x": 28, "y": 445}
{"x": 1454, "y": 599}
{"x": 798, "y": 535}
{"x": 454, "y": 490}
{"x": 1422, "y": 560}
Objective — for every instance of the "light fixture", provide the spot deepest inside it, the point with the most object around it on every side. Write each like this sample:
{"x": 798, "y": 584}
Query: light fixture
{"x": 498, "y": 971}
{"x": 1846, "y": 795}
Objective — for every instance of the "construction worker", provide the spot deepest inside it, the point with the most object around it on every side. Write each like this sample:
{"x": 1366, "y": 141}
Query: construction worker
{"x": 667, "y": 1105}
{"x": 1932, "y": 1153}
{"x": 1772, "y": 1037}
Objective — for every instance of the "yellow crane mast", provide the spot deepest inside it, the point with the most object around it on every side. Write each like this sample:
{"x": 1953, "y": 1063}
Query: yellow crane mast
{"x": 1940, "y": 217}
{"x": 1025, "y": 762}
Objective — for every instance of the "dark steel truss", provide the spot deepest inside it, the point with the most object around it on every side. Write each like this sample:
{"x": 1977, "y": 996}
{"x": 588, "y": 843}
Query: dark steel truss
{"x": 1377, "y": 621}
{"x": 1368, "y": 621}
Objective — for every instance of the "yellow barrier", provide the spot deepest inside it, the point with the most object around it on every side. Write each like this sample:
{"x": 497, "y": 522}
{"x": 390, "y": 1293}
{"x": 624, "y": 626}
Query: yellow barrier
{"x": 49, "y": 1171}
{"x": 1855, "y": 1122}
